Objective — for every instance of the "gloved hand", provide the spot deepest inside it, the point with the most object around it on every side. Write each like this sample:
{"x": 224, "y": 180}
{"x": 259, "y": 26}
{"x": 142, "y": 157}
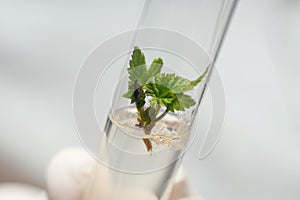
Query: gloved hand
{"x": 19, "y": 191}
{"x": 70, "y": 170}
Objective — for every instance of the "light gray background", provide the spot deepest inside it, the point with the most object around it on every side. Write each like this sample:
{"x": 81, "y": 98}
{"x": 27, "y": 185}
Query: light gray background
{"x": 43, "y": 44}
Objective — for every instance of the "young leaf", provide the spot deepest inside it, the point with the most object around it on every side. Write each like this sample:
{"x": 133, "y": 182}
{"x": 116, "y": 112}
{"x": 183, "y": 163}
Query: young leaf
{"x": 177, "y": 84}
{"x": 130, "y": 90}
{"x": 137, "y": 58}
{"x": 174, "y": 83}
{"x": 184, "y": 101}
{"x": 160, "y": 94}
{"x": 164, "y": 97}
{"x": 137, "y": 74}
{"x": 138, "y": 71}
{"x": 200, "y": 78}
{"x": 154, "y": 69}
{"x": 137, "y": 66}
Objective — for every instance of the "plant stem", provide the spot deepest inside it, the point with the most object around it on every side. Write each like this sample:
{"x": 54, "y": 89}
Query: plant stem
{"x": 162, "y": 115}
{"x": 148, "y": 144}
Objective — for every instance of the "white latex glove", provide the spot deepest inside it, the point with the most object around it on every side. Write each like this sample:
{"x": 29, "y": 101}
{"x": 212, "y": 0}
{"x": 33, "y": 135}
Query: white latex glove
{"x": 18, "y": 191}
{"x": 69, "y": 172}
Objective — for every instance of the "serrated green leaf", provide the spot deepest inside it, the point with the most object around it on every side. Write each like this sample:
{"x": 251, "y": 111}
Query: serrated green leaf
{"x": 130, "y": 90}
{"x": 200, "y": 78}
{"x": 138, "y": 70}
{"x": 138, "y": 74}
{"x": 137, "y": 58}
{"x": 128, "y": 94}
{"x": 184, "y": 101}
{"x": 161, "y": 95}
{"x": 154, "y": 68}
{"x": 137, "y": 66}
{"x": 176, "y": 83}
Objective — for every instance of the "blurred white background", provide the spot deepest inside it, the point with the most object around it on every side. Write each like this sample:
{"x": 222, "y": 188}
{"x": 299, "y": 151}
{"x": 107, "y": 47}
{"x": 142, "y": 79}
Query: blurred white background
{"x": 42, "y": 45}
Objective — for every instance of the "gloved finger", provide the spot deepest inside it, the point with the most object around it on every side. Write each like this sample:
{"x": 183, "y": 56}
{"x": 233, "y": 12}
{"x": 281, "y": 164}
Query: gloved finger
{"x": 68, "y": 178}
{"x": 18, "y": 191}
{"x": 71, "y": 169}
{"x": 68, "y": 174}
